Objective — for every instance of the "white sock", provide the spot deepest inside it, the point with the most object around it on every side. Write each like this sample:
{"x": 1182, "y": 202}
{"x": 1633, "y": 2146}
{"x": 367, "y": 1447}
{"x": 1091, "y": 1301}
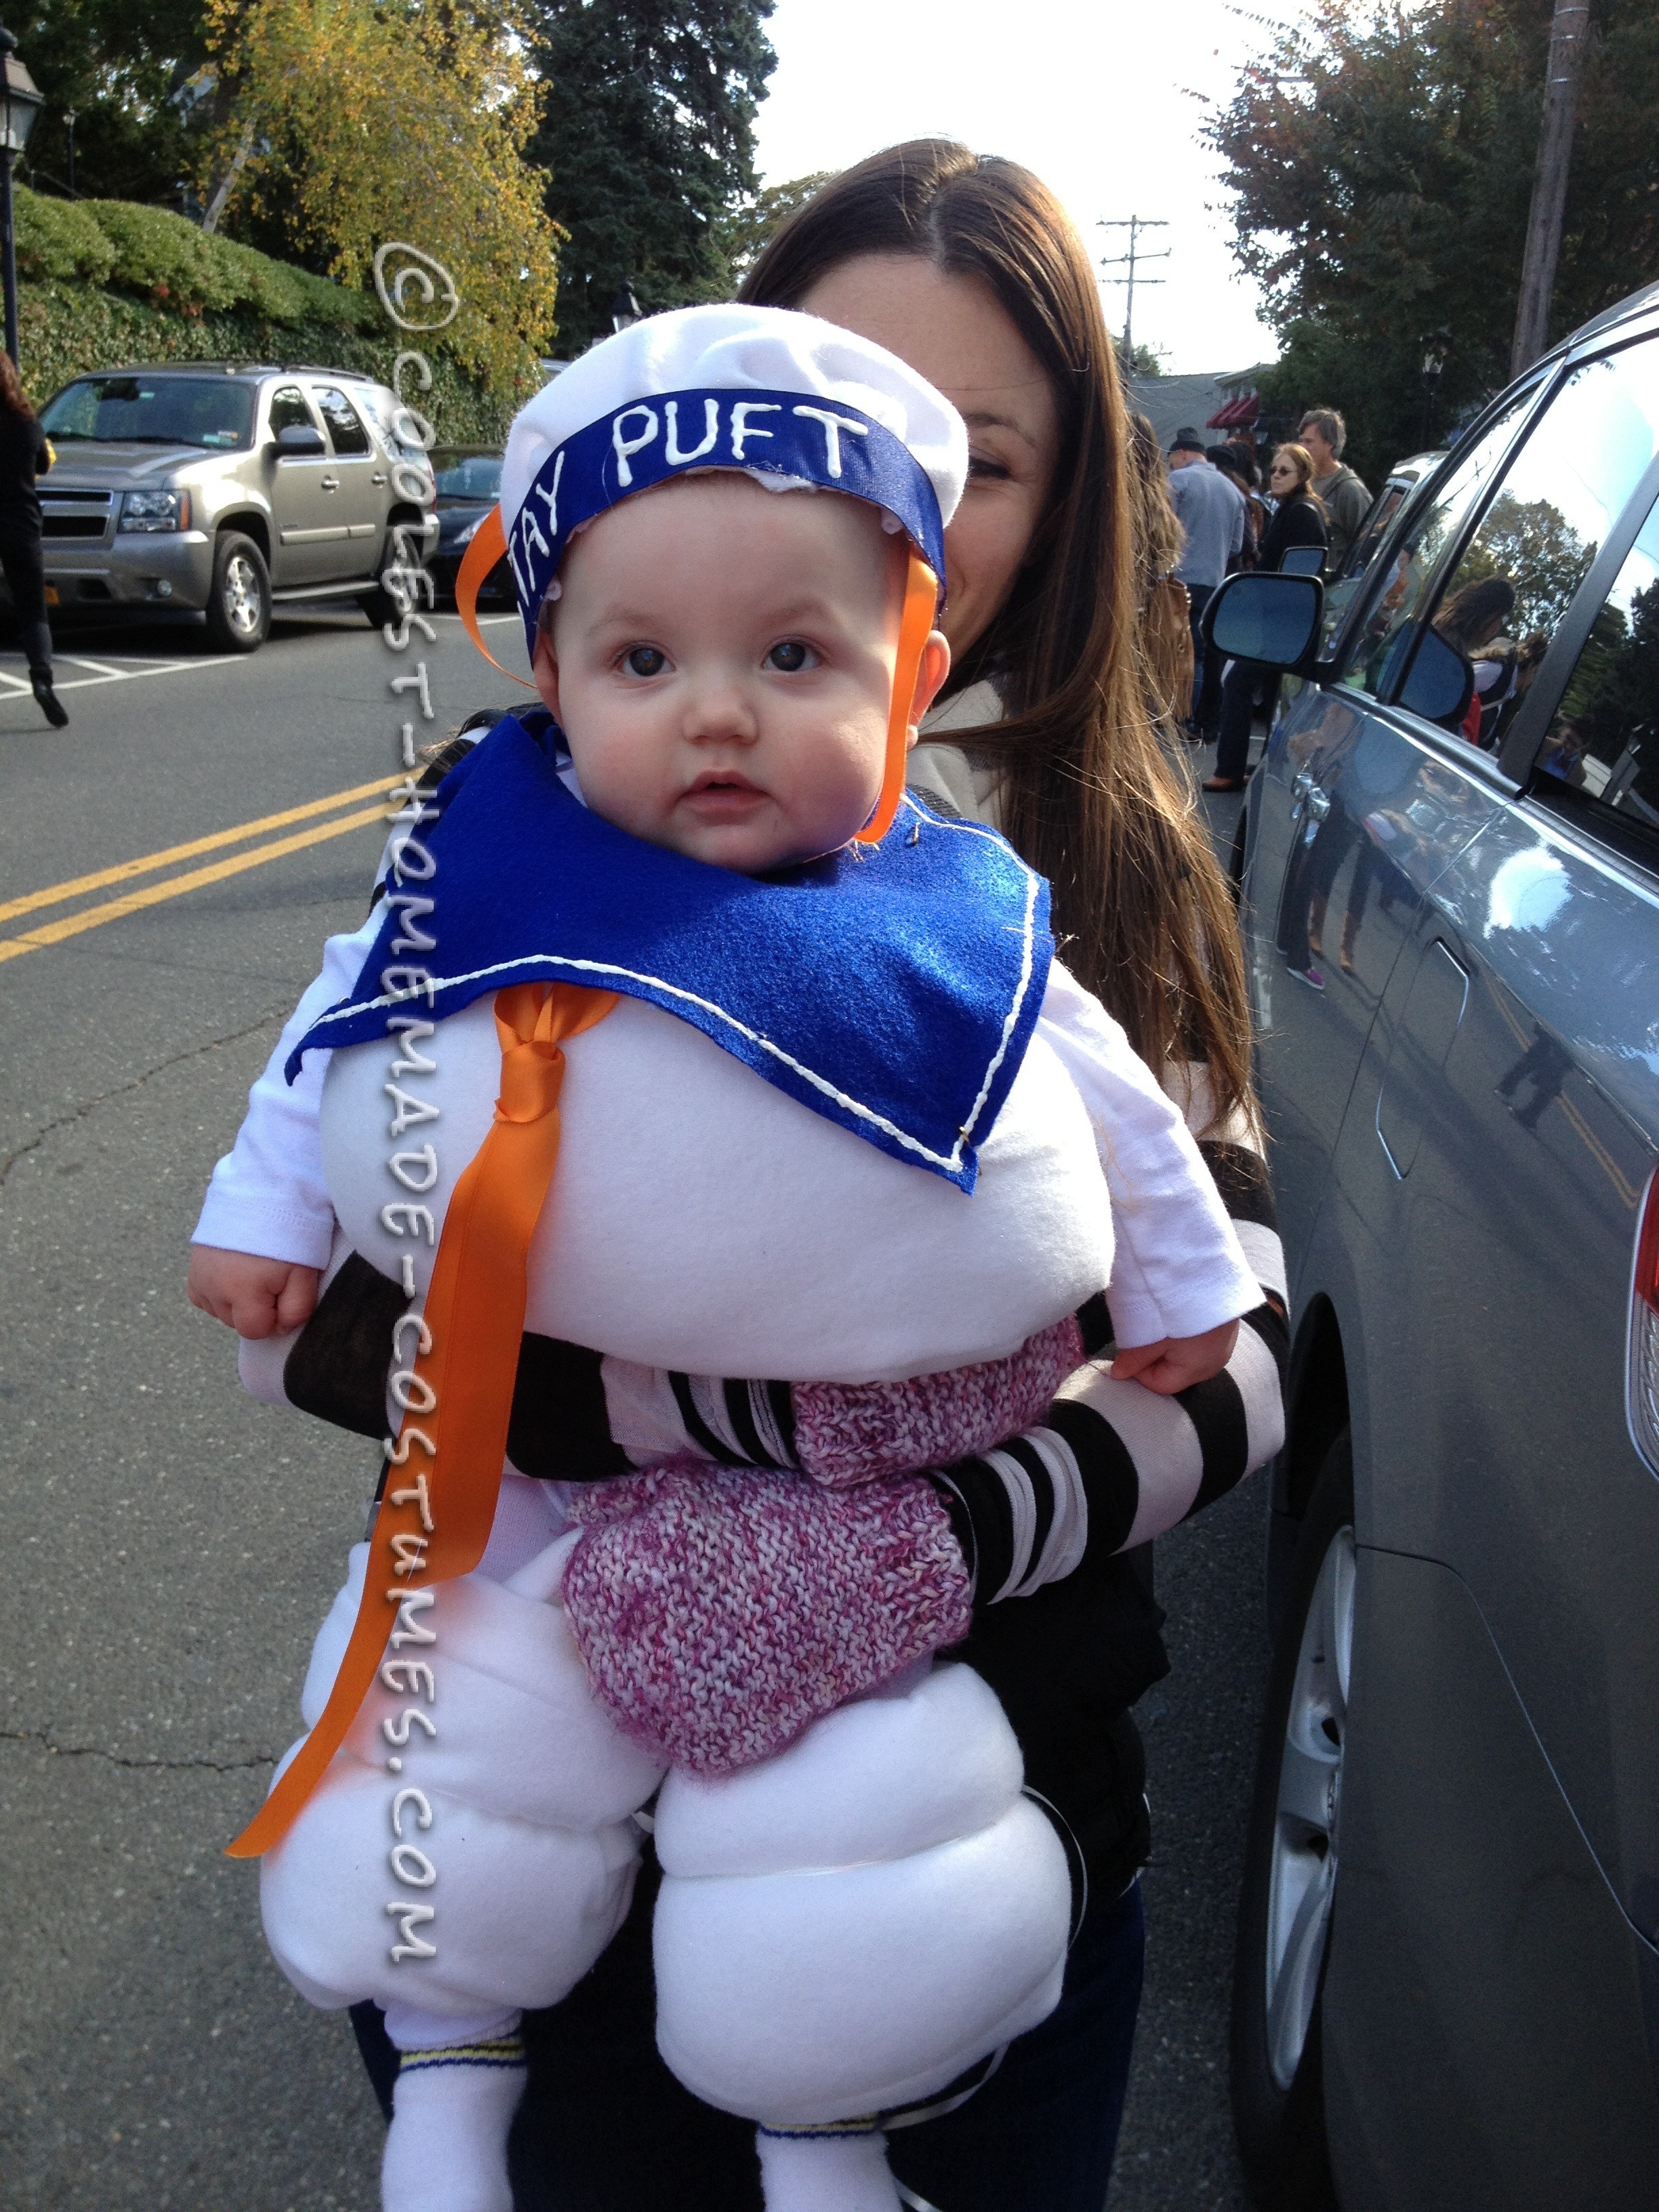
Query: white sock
{"x": 459, "y": 2085}
{"x": 809, "y": 2173}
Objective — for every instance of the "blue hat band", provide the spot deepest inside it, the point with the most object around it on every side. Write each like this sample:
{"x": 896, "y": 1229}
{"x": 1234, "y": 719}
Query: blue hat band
{"x": 792, "y": 433}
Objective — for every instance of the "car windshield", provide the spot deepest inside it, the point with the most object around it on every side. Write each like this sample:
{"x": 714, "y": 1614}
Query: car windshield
{"x": 477, "y": 477}
{"x": 214, "y": 411}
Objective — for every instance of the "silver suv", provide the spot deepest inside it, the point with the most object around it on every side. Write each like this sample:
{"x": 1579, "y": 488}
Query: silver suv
{"x": 229, "y": 489}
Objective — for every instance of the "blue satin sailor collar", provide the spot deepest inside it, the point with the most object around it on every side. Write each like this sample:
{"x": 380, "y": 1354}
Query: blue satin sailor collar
{"x": 893, "y": 992}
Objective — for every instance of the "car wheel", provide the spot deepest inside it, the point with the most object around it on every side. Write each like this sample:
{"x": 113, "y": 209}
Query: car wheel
{"x": 1289, "y": 1890}
{"x": 384, "y": 605}
{"x": 238, "y": 605}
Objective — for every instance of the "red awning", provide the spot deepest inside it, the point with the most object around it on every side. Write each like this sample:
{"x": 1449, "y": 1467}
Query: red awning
{"x": 1235, "y": 414}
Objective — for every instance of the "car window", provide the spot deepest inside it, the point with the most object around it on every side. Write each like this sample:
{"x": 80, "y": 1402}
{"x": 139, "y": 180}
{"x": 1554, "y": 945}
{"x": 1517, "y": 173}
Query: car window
{"x": 344, "y": 430}
{"x": 477, "y": 477}
{"x": 1370, "y": 535}
{"x": 1604, "y": 740}
{"x": 289, "y": 410}
{"x": 1388, "y": 627}
{"x": 1503, "y": 603}
{"x": 210, "y": 411}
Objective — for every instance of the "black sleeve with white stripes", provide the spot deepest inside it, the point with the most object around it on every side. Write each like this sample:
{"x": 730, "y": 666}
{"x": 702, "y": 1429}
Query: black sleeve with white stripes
{"x": 1115, "y": 1464}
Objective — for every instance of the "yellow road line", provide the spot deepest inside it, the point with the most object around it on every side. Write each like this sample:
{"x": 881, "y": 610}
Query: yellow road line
{"x": 55, "y": 894}
{"x": 54, "y": 932}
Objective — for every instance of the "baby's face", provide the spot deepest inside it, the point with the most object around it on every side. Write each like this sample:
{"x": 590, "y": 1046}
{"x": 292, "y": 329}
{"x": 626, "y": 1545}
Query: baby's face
{"x": 720, "y": 659}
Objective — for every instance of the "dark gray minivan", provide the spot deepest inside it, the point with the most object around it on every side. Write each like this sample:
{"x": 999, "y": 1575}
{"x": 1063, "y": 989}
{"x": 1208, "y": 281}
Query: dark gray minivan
{"x": 1447, "y": 1996}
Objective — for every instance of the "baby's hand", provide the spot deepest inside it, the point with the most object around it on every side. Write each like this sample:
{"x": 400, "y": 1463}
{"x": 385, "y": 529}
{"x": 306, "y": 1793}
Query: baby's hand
{"x": 1175, "y": 1362}
{"x": 254, "y": 1297}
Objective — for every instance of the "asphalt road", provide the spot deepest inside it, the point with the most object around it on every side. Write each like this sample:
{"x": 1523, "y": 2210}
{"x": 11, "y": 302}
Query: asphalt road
{"x": 169, "y": 1545}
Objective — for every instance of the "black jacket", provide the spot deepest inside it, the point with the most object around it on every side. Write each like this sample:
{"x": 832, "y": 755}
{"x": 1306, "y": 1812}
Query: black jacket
{"x": 23, "y": 456}
{"x": 1297, "y": 521}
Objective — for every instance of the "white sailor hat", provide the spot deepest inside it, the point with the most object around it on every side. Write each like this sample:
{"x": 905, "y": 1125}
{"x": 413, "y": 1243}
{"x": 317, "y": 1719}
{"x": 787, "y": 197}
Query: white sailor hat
{"x": 781, "y": 396}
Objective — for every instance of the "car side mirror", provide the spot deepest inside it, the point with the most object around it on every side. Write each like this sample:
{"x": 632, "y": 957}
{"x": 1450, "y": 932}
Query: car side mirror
{"x": 1439, "y": 683}
{"x": 298, "y": 440}
{"x": 1302, "y": 561}
{"x": 1265, "y": 618}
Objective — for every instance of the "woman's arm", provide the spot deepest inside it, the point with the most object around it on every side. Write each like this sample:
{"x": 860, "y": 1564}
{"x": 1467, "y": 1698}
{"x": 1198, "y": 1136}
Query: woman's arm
{"x": 1113, "y": 1465}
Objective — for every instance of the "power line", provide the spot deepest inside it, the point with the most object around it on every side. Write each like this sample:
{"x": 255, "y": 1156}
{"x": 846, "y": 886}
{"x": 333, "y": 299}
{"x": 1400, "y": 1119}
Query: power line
{"x": 1134, "y": 224}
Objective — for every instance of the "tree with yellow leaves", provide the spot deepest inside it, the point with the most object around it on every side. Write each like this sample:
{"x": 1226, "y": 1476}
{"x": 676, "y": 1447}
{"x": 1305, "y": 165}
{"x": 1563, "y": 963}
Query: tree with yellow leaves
{"x": 361, "y": 122}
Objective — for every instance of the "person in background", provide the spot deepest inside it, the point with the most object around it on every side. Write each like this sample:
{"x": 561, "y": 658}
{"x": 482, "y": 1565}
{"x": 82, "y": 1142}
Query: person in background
{"x": 1299, "y": 519}
{"x": 1241, "y": 474}
{"x": 1166, "y": 637}
{"x": 1473, "y": 620}
{"x": 1211, "y": 510}
{"x": 25, "y": 455}
{"x": 1347, "y": 502}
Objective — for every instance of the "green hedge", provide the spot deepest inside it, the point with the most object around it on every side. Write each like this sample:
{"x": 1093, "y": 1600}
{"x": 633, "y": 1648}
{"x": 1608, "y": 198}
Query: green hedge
{"x": 66, "y": 328}
{"x": 176, "y": 267}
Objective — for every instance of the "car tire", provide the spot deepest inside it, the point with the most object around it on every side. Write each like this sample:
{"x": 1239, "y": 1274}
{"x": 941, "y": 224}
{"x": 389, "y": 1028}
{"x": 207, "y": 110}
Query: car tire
{"x": 1288, "y": 1889}
{"x": 239, "y": 604}
{"x": 379, "y": 604}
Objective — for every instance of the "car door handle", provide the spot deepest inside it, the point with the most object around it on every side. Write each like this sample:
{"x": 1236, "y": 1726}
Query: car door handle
{"x": 331, "y": 484}
{"x": 1307, "y": 798}
{"x": 379, "y": 477}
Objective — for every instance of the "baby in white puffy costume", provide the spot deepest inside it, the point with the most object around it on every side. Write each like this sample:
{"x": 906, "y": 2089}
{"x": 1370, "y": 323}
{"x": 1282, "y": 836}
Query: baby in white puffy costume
{"x": 846, "y": 1926}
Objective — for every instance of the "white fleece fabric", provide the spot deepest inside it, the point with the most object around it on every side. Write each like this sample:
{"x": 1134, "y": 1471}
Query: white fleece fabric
{"x": 527, "y": 1783}
{"x": 820, "y": 1260}
{"x": 877, "y": 1966}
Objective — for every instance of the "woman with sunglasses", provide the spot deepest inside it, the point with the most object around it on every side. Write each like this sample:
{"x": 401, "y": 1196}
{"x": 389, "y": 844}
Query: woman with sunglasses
{"x": 1298, "y": 519}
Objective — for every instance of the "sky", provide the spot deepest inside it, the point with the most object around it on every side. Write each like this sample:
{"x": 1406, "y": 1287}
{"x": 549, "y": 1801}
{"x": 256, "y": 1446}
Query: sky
{"x": 1095, "y": 96}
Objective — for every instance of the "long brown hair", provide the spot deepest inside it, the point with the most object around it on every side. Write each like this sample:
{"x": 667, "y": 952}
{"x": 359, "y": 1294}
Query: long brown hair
{"x": 12, "y": 394}
{"x": 1088, "y": 795}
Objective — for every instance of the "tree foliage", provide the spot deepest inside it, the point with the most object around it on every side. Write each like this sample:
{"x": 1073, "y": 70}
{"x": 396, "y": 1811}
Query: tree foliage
{"x": 754, "y": 222}
{"x": 647, "y": 144}
{"x": 122, "y": 66}
{"x": 357, "y": 125}
{"x": 1381, "y": 159}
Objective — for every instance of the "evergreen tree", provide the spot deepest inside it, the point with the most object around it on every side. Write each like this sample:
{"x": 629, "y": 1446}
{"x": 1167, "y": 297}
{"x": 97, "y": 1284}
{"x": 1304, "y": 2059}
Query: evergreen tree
{"x": 123, "y": 66}
{"x": 648, "y": 141}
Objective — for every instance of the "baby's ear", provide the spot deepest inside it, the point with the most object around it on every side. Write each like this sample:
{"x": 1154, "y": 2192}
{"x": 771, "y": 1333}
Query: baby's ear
{"x": 931, "y": 672}
{"x": 545, "y": 669}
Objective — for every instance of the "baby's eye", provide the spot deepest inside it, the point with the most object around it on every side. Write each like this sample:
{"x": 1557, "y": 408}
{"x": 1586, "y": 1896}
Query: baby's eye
{"x": 791, "y": 656}
{"x": 644, "y": 660}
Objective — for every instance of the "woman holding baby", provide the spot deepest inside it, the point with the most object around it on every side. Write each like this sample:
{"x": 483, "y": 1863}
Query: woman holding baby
{"x": 969, "y": 271}
{"x": 969, "y": 274}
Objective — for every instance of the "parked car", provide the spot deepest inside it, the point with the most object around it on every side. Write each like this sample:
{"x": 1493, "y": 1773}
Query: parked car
{"x": 468, "y": 485}
{"x": 1447, "y": 1993}
{"x": 229, "y": 489}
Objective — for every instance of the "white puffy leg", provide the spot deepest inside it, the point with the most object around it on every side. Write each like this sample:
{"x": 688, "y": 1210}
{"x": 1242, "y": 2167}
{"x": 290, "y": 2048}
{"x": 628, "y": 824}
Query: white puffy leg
{"x": 457, "y": 2088}
{"x": 810, "y": 2172}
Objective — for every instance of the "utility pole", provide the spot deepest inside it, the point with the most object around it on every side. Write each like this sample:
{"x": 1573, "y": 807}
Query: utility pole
{"x": 1134, "y": 224}
{"x": 1549, "y": 189}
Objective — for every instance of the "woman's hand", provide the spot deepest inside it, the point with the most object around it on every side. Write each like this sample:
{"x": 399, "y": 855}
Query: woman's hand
{"x": 255, "y": 1297}
{"x": 1174, "y": 1363}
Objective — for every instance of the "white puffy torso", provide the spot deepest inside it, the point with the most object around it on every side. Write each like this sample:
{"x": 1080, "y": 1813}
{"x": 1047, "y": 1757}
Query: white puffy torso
{"x": 699, "y": 1219}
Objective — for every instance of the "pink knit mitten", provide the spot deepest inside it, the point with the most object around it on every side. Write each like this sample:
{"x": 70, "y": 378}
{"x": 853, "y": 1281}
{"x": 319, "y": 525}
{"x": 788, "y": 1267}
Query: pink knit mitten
{"x": 719, "y": 1615}
{"x": 848, "y": 1433}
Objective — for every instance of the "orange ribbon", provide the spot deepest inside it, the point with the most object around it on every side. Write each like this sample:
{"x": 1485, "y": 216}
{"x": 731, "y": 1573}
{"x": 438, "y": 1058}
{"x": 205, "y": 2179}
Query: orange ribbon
{"x": 435, "y": 1526}
{"x": 915, "y": 625}
{"x": 488, "y": 546}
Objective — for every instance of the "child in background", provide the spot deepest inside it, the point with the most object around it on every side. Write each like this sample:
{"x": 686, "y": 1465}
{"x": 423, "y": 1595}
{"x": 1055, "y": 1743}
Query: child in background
{"x": 908, "y": 1202}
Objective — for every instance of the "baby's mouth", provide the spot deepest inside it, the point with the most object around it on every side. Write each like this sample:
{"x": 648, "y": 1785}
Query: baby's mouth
{"x": 722, "y": 794}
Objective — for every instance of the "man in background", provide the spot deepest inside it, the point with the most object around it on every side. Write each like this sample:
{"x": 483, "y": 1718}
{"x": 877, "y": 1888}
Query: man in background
{"x": 1347, "y": 502}
{"x": 1211, "y": 510}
